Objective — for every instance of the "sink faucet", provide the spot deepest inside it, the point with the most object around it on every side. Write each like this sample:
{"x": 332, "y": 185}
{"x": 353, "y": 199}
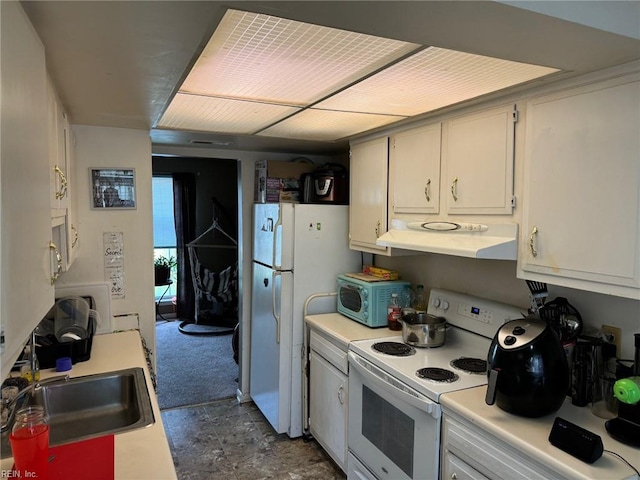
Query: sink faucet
{"x": 29, "y": 389}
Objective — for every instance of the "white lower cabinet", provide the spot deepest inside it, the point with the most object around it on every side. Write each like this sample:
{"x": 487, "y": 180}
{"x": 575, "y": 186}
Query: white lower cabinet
{"x": 328, "y": 399}
{"x": 471, "y": 453}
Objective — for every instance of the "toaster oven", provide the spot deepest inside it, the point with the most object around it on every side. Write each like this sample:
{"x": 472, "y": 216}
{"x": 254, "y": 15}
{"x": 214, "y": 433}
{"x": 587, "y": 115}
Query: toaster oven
{"x": 366, "y": 302}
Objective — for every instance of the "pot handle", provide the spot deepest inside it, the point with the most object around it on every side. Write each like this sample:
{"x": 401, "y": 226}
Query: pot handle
{"x": 490, "y": 397}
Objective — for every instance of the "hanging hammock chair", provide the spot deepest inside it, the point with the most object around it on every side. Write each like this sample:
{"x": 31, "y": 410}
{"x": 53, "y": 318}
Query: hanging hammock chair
{"x": 216, "y": 293}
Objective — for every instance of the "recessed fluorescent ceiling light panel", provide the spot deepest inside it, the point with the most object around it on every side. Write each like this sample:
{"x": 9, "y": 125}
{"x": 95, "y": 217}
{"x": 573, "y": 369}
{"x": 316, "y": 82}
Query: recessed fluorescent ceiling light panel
{"x": 432, "y": 79}
{"x": 327, "y": 125}
{"x": 271, "y": 76}
{"x": 201, "y": 113}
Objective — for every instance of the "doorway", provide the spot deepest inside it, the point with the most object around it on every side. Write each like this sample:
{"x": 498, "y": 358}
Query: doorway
{"x": 195, "y": 368}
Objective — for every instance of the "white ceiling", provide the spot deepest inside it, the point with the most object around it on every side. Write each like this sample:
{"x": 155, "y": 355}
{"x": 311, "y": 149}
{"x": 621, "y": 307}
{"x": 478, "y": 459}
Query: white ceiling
{"x": 119, "y": 63}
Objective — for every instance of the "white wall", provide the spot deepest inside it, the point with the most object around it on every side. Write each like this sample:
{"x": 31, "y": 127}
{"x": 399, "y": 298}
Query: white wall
{"x": 115, "y": 147}
{"x": 496, "y": 280}
{"x": 621, "y": 17}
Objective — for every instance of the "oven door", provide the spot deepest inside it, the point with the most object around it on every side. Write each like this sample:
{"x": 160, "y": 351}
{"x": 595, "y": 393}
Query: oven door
{"x": 393, "y": 430}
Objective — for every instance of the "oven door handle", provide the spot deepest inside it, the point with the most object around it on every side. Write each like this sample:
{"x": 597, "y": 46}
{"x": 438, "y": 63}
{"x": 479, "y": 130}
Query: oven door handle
{"x": 386, "y": 382}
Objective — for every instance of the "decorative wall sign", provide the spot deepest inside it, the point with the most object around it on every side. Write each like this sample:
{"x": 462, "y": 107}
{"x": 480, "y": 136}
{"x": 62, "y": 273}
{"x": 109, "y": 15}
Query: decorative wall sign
{"x": 114, "y": 263}
{"x": 113, "y": 188}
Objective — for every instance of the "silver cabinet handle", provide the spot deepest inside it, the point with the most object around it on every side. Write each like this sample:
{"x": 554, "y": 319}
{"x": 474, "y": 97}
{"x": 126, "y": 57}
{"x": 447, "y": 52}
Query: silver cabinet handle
{"x": 341, "y": 394}
{"x": 378, "y": 229}
{"x": 56, "y": 274}
{"x": 454, "y": 189}
{"x": 60, "y": 194}
{"x": 427, "y": 190}
{"x": 454, "y": 476}
{"x": 534, "y": 232}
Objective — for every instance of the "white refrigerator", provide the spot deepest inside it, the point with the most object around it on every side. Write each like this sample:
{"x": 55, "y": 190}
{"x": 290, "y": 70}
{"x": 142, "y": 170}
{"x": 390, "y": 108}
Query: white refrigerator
{"x": 298, "y": 250}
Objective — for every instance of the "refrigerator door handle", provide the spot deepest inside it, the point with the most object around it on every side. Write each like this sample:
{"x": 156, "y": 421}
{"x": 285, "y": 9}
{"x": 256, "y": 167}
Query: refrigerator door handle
{"x": 276, "y": 316}
{"x": 275, "y": 243}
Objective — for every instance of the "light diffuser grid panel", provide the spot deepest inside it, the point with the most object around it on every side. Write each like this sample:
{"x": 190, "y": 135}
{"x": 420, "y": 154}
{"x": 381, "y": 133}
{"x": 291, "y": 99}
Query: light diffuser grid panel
{"x": 327, "y": 125}
{"x": 276, "y": 60}
{"x": 207, "y": 114}
{"x": 432, "y": 79}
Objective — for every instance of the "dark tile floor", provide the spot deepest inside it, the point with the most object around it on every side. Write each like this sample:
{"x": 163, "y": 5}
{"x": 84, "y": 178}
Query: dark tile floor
{"x": 230, "y": 441}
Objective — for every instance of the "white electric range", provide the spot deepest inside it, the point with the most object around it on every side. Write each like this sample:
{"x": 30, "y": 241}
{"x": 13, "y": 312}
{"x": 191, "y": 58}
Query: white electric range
{"x": 394, "y": 410}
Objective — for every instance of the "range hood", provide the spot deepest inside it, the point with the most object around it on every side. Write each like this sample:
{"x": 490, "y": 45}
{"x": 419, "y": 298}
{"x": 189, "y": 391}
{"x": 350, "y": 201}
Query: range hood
{"x": 473, "y": 240}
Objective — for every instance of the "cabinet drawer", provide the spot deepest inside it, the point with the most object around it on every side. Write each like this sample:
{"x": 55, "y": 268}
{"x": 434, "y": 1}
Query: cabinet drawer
{"x": 330, "y": 352}
{"x": 455, "y": 469}
{"x": 489, "y": 456}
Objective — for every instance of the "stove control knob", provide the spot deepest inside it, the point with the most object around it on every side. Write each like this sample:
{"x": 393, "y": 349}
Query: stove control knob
{"x": 435, "y": 302}
{"x": 444, "y": 305}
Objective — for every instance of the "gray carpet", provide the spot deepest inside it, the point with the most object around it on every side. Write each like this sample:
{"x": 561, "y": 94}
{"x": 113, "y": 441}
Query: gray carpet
{"x": 193, "y": 369}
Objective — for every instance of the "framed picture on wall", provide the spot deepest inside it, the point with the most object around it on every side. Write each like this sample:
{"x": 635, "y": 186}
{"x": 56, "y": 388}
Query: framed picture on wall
{"x": 113, "y": 188}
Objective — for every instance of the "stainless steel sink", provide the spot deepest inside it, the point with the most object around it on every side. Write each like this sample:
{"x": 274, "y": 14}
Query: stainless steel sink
{"x": 90, "y": 406}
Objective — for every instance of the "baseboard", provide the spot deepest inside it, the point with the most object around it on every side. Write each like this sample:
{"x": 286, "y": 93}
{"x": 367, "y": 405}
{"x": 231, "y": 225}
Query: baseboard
{"x": 242, "y": 397}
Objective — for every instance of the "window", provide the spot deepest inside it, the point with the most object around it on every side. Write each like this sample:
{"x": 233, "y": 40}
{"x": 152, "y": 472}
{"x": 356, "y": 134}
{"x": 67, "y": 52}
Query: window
{"x": 164, "y": 232}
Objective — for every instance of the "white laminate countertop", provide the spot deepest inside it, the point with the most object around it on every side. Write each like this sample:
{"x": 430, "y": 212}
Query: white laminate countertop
{"x": 344, "y": 330}
{"x": 531, "y": 435}
{"x": 141, "y": 454}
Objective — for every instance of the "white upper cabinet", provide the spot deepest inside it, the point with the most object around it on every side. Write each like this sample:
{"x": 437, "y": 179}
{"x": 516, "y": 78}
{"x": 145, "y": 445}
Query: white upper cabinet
{"x": 58, "y": 172}
{"x": 71, "y": 219}
{"x": 61, "y": 150}
{"x": 581, "y": 217}
{"x": 368, "y": 194}
{"x": 26, "y": 265}
{"x": 415, "y": 170}
{"x": 477, "y": 162}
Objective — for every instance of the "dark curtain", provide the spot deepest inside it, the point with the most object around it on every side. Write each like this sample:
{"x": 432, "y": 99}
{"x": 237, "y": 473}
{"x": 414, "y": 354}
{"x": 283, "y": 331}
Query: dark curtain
{"x": 184, "y": 201}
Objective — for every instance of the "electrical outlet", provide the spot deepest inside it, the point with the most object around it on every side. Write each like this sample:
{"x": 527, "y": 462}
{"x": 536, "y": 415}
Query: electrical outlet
{"x": 613, "y": 335}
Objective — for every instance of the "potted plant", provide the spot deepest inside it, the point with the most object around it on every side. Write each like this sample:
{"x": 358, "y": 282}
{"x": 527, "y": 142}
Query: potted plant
{"x": 163, "y": 266}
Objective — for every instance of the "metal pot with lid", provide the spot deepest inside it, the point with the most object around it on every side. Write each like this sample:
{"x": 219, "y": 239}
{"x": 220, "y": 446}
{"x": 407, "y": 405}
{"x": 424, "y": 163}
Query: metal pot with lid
{"x": 423, "y": 330}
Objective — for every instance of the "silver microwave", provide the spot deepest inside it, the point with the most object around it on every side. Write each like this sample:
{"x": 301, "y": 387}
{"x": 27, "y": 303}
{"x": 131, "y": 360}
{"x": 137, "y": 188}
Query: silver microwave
{"x": 366, "y": 302}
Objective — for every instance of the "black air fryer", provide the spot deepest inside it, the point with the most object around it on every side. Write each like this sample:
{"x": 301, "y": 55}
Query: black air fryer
{"x": 528, "y": 371}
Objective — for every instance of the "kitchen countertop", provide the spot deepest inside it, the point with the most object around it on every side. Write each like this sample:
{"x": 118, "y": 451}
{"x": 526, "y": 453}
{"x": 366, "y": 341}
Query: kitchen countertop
{"x": 141, "y": 454}
{"x": 530, "y": 435}
{"x": 344, "y": 330}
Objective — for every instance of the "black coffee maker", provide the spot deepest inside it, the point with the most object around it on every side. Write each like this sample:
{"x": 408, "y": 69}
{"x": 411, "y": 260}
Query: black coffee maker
{"x": 626, "y": 426}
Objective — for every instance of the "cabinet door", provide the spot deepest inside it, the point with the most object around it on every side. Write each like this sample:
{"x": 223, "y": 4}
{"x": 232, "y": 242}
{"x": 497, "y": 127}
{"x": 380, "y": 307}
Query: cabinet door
{"x": 415, "y": 170}
{"x": 58, "y": 172}
{"x": 478, "y": 162}
{"x": 368, "y": 192}
{"x": 581, "y": 214}
{"x": 328, "y": 408}
{"x": 27, "y": 293}
{"x": 71, "y": 219}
